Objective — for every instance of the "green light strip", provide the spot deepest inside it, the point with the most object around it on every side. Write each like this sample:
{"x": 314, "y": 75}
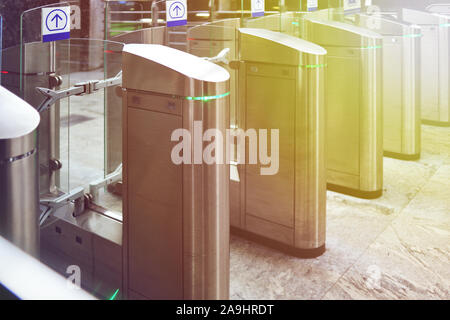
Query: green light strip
{"x": 295, "y": 23}
{"x": 444, "y": 25}
{"x": 311, "y": 66}
{"x": 114, "y": 295}
{"x": 207, "y": 98}
{"x": 417, "y": 35}
{"x": 372, "y": 47}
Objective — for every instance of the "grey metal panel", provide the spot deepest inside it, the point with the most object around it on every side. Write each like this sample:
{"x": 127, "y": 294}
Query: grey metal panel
{"x": 435, "y": 64}
{"x": 401, "y": 84}
{"x": 92, "y": 242}
{"x": 282, "y": 82}
{"x": 155, "y": 219}
{"x": 354, "y": 106}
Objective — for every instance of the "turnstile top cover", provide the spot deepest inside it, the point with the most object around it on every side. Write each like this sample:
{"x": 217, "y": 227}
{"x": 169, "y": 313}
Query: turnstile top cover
{"x": 218, "y": 30}
{"x": 339, "y": 34}
{"x": 17, "y": 117}
{"x": 423, "y": 17}
{"x": 162, "y": 69}
{"x": 260, "y": 45}
{"x": 153, "y": 35}
{"x": 441, "y": 8}
{"x": 387, "y": 26}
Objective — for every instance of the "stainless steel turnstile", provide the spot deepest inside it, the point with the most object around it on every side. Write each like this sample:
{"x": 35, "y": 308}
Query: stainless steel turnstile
{"x": 176, "y": 215}
{"x": 435, "y": 65}
{"x": 37, "y": 70}
{"x": 19, "y": 178}
{"x": 401, "y": 85}
{"x": 354, "y": 123}
{"x": 282, "y": 83}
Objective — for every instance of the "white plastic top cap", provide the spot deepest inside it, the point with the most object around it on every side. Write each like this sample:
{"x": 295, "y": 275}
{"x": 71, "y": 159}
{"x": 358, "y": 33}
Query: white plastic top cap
{"x": 17, "y": 117}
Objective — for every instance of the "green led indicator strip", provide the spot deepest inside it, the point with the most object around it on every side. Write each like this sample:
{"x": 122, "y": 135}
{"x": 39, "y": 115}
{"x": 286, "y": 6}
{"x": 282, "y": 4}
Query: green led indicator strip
{"x": 445, "y": 25}
{"x": 114, "y": 295}
{"x": 207, "y": 98}
{"x": 418, "y": 35}
{"x": 295, "y": 23}
{"x": 312, "y": 66}
{"x": 372, "y": 47}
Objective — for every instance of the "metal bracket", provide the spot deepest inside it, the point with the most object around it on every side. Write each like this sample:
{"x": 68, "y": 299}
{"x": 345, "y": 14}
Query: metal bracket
{"x": 88, "y": 87}
{"x": 113, "y": 177}
{"x": 79, "y": 89}
{"x": 54, "y": 204}
{"x": 221, "y": 57}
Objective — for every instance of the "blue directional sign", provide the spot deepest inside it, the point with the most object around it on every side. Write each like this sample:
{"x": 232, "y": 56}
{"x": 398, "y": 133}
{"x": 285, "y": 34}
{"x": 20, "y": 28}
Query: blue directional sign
{"x": 55, "y": 23}
{"x": 258, "y": 8}
{"x": 176, "y": 13}
{"x": 312, "y": 5}
{"x": 352, "y": 6}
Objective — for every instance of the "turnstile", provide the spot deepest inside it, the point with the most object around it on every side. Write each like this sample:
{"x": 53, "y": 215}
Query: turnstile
{"x": 435, "y": 65}
{"x": 354, "y": 122}
{"x": 282, "y": 87}
{"x": 176, "y": 211}
{"x": 19, "y": 190}
{"x": 401, "y": 85}
{"x": 22, "y": 78}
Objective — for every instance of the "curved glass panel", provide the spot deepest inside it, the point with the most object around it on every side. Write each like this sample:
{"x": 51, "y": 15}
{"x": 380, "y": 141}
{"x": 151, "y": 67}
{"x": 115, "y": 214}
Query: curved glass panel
{"x": 77, "y": 133}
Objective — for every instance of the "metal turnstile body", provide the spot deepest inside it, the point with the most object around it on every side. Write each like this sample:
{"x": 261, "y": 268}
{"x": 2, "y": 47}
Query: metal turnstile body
{"x": 208, "y": 40}
{"x": 401, "y": 85}
{"x": 19, "y": 189}
{"x": 354, "y": 123}
{"x": 36, "y": 72}
{"x": 282, "y": 83}
{"x": 176, "y": 216}
{"x": 435, "y": 65}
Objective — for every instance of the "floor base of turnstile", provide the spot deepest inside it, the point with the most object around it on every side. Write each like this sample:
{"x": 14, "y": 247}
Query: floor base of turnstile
{"x": 354, "y": 192}
{"x": 293, "y": 251}
{"x": 436, "y": 123}
{"x": 402, "y": 156}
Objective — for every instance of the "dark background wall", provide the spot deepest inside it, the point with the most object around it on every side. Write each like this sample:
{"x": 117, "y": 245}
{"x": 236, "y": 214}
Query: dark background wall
{"x": 11, "y": 10}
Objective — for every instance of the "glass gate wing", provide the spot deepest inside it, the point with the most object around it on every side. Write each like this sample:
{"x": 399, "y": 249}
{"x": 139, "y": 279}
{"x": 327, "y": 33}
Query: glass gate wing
{"x": 76, "y": 150}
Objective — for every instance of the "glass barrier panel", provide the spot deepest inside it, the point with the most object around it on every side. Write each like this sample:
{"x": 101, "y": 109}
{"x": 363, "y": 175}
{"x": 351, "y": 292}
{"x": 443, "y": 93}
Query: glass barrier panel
{"x": 126, "y": 16}
{"x": 79, "y": 136}
{"x": 40, "y": 66}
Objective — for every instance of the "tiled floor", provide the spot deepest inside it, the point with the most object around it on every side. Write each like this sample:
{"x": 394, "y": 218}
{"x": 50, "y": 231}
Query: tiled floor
{"x": 395, "y": 247}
